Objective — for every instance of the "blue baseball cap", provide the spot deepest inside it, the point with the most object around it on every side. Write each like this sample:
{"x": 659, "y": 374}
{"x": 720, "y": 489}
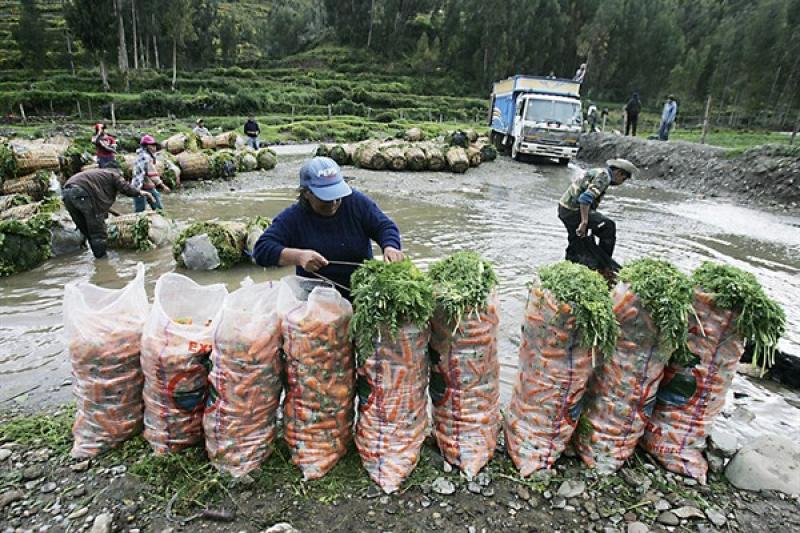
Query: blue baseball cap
{"x": 324, "y": 178}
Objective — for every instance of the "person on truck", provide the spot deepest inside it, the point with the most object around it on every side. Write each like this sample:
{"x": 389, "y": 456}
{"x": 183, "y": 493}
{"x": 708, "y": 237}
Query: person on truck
{"x": 668, "y": 115}
{"x": 105, "y": 146}
{"x": 577, "y": 210}
{"x": 632, "y": 109}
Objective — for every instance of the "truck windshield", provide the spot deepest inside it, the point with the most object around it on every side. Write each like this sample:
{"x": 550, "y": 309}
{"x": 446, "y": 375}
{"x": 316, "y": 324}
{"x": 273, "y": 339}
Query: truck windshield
{"x": 566, "y": 113}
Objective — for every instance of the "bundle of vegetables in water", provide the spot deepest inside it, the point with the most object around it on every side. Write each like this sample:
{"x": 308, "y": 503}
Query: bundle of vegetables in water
{"x": 194, "y": 165}
{"x": 168, "y": 169}
{"x": 225, "y": 140}
{"x": 324, "y": 150}
{"x": 139, "y": 231}
{"x": 568, "y": 317}
{"x": 78, "y": 155}
{"x": 434, "y": 156}
{"x": 652, "y": 304}
{"x": 415, "y": 158}
{"x": 368, "y": 155}
{"x": 24, "y": 211}
{"x": 216, "y": 245}
{"x": 731, "y": 309}
{"x": 343, "y": 154}
{"x": 36, "y": 185}
{"x": 246, "y": 160}
{"x": 395, "y": 157}
{"x": 465, "y": 386}
{"x": 222, "y": 164}
{"x": 266, "y": 158}
{"x": 177, "y": 143}
{"x": 24, "y": 244}
{"x": 393, "y": 304}
{"x": 457, "y": 160}
{"x": 16, "y": 161}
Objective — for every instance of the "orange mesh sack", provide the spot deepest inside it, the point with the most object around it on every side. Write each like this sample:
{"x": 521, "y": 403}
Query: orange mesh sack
{"x": 176, "y": 345}
{"x": 622, "y": 394}
{"x": 104, "y": 329}
{"x": 245, "y": 380}
{"x": 553, "y": 371}
{"x": 465, "y": 387}
{"x": 691, "y": 396}
{"x": 393, "y": 406}
{"x": 318, "y": 408}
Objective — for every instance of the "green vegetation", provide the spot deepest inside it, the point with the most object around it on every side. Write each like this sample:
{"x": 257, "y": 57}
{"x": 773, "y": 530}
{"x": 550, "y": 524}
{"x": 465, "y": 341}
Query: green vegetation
{"x": 761, "y": 321}
{"x": 51, "y": 430}
{"x": 226, "y": 238}
{"x": 387, "y": 295}
{"x": 24, "y": 245}
{"x": 666, "y": 294}
{"x": 462, "y": 284}
{"x": 587, "y": 293}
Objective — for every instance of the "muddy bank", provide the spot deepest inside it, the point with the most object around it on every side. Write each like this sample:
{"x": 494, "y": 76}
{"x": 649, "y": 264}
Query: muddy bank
{"x": 764, "y": 175}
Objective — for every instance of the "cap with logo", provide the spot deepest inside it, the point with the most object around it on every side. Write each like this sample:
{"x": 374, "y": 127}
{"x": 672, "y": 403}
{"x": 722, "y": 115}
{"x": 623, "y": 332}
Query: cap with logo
{"x": 324, "y": 178}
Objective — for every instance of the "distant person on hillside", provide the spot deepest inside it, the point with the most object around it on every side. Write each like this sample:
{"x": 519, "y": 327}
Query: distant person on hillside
{"x": 591, "y": 118}
{"x": 146, "y": 176}
{"x": 632, "y": 109}
{"x": 580, "y": 73}
{"x": 105, "y": 146}
{"x": 251, "y": 130}
{"x": 200, "y": 129}
{"x": 668, "y": 115}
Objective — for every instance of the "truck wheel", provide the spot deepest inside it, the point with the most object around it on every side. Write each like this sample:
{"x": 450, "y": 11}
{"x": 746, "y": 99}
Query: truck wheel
{"x": 563, "y": 160}
{"x": 515, "y": 155}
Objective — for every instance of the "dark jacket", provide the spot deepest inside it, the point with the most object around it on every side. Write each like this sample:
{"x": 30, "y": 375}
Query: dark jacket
{"x": 251, "y": 128}
{"x": 633, "y": 106}
{"x": 102, "y": 185}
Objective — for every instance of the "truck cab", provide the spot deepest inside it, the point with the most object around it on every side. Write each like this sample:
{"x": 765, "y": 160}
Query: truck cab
{"x": 537, "y": 116}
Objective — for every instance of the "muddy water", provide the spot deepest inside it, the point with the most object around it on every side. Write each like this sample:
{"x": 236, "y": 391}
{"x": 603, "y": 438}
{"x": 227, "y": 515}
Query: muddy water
{"x": 504, "y": 210}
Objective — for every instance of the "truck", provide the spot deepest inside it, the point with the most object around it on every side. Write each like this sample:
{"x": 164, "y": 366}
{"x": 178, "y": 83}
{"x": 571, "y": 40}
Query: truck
{"x": 535, "y": 115}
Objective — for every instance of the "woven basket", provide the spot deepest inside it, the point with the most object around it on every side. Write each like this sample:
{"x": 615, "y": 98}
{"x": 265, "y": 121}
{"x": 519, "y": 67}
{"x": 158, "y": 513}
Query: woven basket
{"x": 20, "y": 212}
{"x": 474, "y": 155}
{"x": 395, "y": 157}
{"x": 415, "y": 158}
{"x": 457, "y": 160}
{"x": 225, "y": 140}
{"x": 33, "y": 160}
{"x": 194, "y": 166}
{"x": 34, "y": 185}
{"x": 176, "y": 144}
{"x": 208, "y": 143}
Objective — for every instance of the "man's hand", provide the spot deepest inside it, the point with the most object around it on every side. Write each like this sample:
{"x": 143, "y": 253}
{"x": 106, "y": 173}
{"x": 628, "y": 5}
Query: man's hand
{"x": 582, "y": 229}
{"x": 165, "y": 188}
{"x": 392, "y": 255}
{"x": 148, "y": 197}
{"x": 311, "y": 261}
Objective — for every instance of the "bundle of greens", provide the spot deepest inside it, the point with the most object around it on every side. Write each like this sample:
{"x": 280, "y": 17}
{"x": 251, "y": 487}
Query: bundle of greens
{"x": 36, "y": 185}
{"x": 130, "y": 232}
{"x": 666, "y": 294}
{"x": 13, "y": 200}
{"x": 761, "y": 321}
{"x": 8, "y": 163}
{"x": 75, "y": 158}
{"x": 228, "y": 238}
{"x": 222, "y": 164}
{"x": 267, "y": 159}
{"x": 24, "y": 245}
{"x": 587, "y": 293}
{"x": 385, "y": 296}
{"x": 462, "y": 284}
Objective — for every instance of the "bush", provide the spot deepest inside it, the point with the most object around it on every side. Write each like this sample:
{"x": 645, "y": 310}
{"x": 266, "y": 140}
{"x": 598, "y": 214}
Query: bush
{"x": 301, "y": 132}
{"x": 385, "y": 117}
{"x": 348, "y": 107}
{"x": 334, "y": 94}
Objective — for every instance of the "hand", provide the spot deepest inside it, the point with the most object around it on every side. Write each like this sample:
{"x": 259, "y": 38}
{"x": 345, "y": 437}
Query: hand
{"x": 392, "y": 255}
{"x": 148, "y": 197}
{"x": 582, "y": 228}
{"x": 311, "y": 261}
{"x": 165, "y": 188}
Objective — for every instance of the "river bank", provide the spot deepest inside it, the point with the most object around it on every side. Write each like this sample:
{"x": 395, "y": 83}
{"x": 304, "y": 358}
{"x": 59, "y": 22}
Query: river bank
{"x": 765, "y": 176}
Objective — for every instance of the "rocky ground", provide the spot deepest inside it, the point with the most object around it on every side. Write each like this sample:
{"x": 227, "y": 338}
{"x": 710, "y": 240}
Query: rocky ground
{"x": 765, "y": 175}
{"x": 130, "y": 490}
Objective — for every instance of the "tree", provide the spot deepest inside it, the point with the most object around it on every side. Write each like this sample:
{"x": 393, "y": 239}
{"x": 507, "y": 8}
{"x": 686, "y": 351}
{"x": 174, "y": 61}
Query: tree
{"x": 31, "y": 36}
{"x": 94, "y": 24}
{"x": 177, "y": 20}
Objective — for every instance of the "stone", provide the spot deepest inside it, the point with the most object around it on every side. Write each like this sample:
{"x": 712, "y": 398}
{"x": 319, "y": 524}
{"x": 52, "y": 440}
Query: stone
{"x": 78, "y": 513}
{"x": 637, "y": 527}
{"x": 630, "y": 516}
{"x": 547, "y": 495}
{"x": 47, "y": 488}
{"x": 487, "y": 492}
{"x": 373, "y": 491}
{"x": 483, "y": 479}
{"x": 668, "y": 518}
{"x": 10, "y": 497}
{"x": 690, "y": 482}
{"x": 384, "y": 500}
{"x": 662, "y": 505}
{"x": 32, "y": 472}
{"x": 443, "y": 486}
{"x": 473, "y": 487}
{"x": 615, "y": 519}
{"x": 102, "y": 523}
{"x": 447, "y": 467}
{"x": 282, "y": 527}
{"x": 716, "y": 517}
{"x": 716, "y": 463}
{"x": 4, "y": 454}
{"x": 523, "y": 492}
{"x": 770, "y": 462}
{"x": 688, "y": 512}
{"x": 559, "y": 502}
{"x": 83, "y": 466}
{"x": 571, "y": 489}
{"x": 724, "y": 442}
{"x": 513, "y": 504}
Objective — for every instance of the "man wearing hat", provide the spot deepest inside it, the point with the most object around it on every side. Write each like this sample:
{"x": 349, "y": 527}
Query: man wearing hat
{"x": 200, "y": 129}
{"x": 668, "y": 115}
{"x": 105, "y": 146}
{"x": 329, "y": 231}
{"x": 146, "y": 176}
{"x": 577, "y": 209}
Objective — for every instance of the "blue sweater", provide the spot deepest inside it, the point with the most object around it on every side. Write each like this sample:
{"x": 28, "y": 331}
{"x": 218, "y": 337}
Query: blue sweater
{"x": 343, "y": 237}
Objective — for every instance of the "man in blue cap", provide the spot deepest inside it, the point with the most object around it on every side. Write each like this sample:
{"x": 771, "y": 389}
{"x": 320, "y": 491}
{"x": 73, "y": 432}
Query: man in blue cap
{"x": 329, "y": 230}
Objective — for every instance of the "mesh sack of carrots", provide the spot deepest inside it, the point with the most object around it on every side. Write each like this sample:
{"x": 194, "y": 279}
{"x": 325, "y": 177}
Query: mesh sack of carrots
{"x": 393, "y": 306}
{"x": 245, "y": 380}
{"x": 568, "y": 318}
{"x": 652, "y": 304}
{"x": 465, "y": 385}
{"x": 176, "y": 343}
{"x": 318, "y": 407}
{"x": 731, "y": 309}
{"x": 103, "y": 329}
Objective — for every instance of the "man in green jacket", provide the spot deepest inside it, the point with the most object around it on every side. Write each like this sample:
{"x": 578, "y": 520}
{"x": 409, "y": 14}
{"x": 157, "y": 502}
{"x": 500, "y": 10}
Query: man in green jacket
{"x": 577, "y": 210}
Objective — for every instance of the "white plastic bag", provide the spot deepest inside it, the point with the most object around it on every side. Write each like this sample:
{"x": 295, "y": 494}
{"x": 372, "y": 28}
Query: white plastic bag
{"x": 103, "y": 330}
{"x": 318, "y": 408}
{"x": 245, "y": 379}
{"x": 176, "y": 344}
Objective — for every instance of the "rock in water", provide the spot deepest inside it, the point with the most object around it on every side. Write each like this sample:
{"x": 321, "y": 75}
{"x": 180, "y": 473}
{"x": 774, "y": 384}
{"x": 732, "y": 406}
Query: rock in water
{"x": 771, "y": 462}
{"x": 199, "y": 253}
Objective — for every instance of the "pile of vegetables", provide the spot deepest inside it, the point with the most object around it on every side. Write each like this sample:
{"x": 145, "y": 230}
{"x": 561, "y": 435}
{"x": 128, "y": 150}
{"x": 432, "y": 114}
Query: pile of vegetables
{"x": 386, "y": 296}
{"x": 761, "y": 321}
{"x": 230, "y": 239}
{"x": 462, "y": 284}
{"x": 24, "y": 245}
{"x": 587, "y": 293}
{"x": 666, "y": 293}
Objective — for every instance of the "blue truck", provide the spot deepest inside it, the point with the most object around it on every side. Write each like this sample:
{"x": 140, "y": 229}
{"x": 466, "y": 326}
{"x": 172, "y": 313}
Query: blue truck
{"x": 539, "y": 116}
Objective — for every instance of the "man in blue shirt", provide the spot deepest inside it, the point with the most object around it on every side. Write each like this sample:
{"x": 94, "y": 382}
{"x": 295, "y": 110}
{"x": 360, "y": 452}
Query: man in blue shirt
{"x": 668, "y": 115}
{"x": 329, "y": 230}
